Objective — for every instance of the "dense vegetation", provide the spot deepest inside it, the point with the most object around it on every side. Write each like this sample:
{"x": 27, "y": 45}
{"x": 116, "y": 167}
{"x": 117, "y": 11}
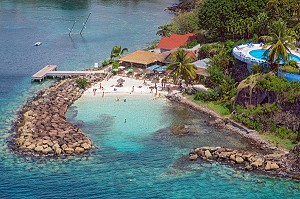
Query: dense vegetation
{"x": 226, "y": 23}
{"x": 82, "y": 83}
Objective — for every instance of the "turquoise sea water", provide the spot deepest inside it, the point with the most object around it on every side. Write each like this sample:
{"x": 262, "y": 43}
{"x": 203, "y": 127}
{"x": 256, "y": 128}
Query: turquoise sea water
{"x": 258, "y": 54}
{"x": 141, "y": 158}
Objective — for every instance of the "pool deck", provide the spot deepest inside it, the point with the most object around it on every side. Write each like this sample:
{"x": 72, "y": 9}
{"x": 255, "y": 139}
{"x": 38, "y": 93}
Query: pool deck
{"x": 242, "y": 53}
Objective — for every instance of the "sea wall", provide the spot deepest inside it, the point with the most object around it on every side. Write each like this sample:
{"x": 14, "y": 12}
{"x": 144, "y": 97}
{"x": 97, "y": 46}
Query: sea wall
{"x": 272, "y": 164}
{"x": 42, "y": 129}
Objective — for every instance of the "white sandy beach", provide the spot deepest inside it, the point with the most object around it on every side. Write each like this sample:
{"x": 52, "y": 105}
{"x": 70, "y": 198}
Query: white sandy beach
{"x": 130, "y": 86}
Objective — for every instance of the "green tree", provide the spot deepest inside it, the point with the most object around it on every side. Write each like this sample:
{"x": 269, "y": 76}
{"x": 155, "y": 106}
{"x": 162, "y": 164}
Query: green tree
{"x": 214, "y": 15}
{"x": 216, "y": 75}
{"x": 278, "y": 43}
{"x": 288, "y": 10}
{"x": 296, "y": 30}
{"x": 117, "y": 52}
{"x": 181, "y": 67}
{"x": 228, "y": 88}
{"x": 165, "y": 30}
{"x": 186, "y": 22}
{"x": 261, "y": 24}
{"x": 221, "y": 59}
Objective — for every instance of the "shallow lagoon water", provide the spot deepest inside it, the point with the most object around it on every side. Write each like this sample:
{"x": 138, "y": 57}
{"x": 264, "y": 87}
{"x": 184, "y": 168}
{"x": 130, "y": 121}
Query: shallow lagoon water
{"x": 139, "y": 159}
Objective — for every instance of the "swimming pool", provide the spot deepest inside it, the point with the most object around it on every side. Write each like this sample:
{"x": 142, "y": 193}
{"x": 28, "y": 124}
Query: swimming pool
{"x": 258, "y": 54}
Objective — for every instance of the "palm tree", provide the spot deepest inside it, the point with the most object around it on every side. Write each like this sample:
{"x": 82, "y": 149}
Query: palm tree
{"x": 165, "y": 30}
{"x": 278, "y": 43}
{"x": 117, "y": 52}
{"x": 181, "y": 67}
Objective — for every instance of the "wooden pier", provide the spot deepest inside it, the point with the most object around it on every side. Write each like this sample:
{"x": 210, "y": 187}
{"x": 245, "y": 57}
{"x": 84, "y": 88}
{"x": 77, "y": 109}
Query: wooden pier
{"x": 50, "y": 71}
{"x": 42, "y": 74}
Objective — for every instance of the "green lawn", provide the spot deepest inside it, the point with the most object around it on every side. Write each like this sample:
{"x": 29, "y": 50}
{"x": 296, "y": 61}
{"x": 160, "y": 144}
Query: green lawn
{"x": 285, "y": 143}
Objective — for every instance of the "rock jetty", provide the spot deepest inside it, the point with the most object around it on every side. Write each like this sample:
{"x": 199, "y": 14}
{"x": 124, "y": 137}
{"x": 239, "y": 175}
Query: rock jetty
{"x": 278, "y": 165}
{"x": 42, "y": 129}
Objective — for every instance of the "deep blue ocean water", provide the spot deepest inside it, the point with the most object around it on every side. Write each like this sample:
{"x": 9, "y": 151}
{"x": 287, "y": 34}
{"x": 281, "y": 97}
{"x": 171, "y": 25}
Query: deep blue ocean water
{"x": 137, "y": 159}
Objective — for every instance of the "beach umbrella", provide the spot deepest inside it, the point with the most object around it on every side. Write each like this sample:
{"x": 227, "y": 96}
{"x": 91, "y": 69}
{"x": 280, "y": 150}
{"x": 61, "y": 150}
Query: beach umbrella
{"x": 121, "y": 80}
{"x": 122, "y": 67}
{"x": 130, "y": 70}
{"x": 141, "y": 70}
{"x": 115, "y": 69}
{"x": 153, "y": 67}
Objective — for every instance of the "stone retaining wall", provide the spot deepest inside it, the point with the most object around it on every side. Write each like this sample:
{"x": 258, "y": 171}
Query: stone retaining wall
{"x": 42, "y": 129}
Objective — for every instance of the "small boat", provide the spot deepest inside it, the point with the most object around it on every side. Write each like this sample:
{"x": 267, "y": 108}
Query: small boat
{"x": 38, "y": 44}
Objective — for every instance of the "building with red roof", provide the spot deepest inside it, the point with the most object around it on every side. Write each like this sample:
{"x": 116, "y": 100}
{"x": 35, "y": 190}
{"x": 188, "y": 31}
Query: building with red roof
{"x": 168, "y": 55}
{"x": 176, "y": 41}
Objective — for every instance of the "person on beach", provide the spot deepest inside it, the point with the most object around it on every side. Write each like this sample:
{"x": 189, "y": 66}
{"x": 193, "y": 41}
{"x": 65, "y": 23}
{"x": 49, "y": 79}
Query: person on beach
{"x": 169, "y": 89}
{"x": 102, "y": 93}
{"x": 132, "y": 90}
{"x": 124, "y": 100}
{"x": 125, "y": 121}
{"x": 94, "y": 90}
{"x": 100, "y": 85}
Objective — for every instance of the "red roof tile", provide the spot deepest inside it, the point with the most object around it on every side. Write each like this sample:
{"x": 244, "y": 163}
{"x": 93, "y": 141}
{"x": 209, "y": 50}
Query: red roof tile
{"x": 176, "y": 41}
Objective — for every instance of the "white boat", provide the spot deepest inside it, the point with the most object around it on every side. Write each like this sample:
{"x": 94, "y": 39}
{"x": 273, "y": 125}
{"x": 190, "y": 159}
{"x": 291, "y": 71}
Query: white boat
{"x": 38, "y": 44}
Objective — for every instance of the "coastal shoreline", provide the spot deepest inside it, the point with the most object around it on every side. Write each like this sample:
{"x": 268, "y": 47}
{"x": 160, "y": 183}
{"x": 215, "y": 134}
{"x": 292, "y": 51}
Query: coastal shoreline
{"x": 61, "y": 142}
{"x": 269, "y": 160}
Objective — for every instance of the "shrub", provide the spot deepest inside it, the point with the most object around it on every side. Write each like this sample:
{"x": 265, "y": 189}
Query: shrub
{"x": 191, "y": 44}
{"x": 256, "y": 68}
{"x": 82, "y": 82}
{"x": 105, "y": 63}
{"x": 115, "y": 64}
{"x": 213, "y": 94}
{"x": 285, "y": 133}
{"x": 293, "y": 63}
{"x": 210, "y": 95}
{"x": 290, "y": 69}
{"x": 216, "y": 75}
{"x": 199, "y": 96}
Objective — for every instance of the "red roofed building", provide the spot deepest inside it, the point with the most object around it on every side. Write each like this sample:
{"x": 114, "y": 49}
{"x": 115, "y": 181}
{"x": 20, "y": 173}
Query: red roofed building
{"x": 169, "y": 54}
{"x": 176, "y": 41}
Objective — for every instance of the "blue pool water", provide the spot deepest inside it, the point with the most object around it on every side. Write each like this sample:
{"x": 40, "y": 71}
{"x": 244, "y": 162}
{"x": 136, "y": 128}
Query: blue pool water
{"x": 258, "y": 54}
{"x": 139, "y": 159}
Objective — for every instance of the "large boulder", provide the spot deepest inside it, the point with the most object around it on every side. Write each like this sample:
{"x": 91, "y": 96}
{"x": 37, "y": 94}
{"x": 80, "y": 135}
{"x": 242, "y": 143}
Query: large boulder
{"x": 239, "y": 159}
{"x": 79, "y": 150}
{"x": 39, "y": 148}
{"x": 207, "y": 154}
{"x": 257, "y": 163}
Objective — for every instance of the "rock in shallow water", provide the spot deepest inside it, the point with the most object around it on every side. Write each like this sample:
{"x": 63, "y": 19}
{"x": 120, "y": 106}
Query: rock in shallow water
{"x": 283, "y": 165}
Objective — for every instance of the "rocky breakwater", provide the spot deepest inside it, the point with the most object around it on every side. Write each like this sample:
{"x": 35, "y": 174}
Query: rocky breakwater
{"x": 272, "y": 164}
{"x": 42, "y": 129}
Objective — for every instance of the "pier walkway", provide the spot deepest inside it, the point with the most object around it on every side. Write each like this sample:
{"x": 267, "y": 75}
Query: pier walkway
{"x": 50, "y": 71}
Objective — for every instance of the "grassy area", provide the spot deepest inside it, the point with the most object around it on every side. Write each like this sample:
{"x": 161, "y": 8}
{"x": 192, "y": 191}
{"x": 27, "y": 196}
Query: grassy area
{"x": 222, "y": 110}
{"x": 285, "y": 143}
